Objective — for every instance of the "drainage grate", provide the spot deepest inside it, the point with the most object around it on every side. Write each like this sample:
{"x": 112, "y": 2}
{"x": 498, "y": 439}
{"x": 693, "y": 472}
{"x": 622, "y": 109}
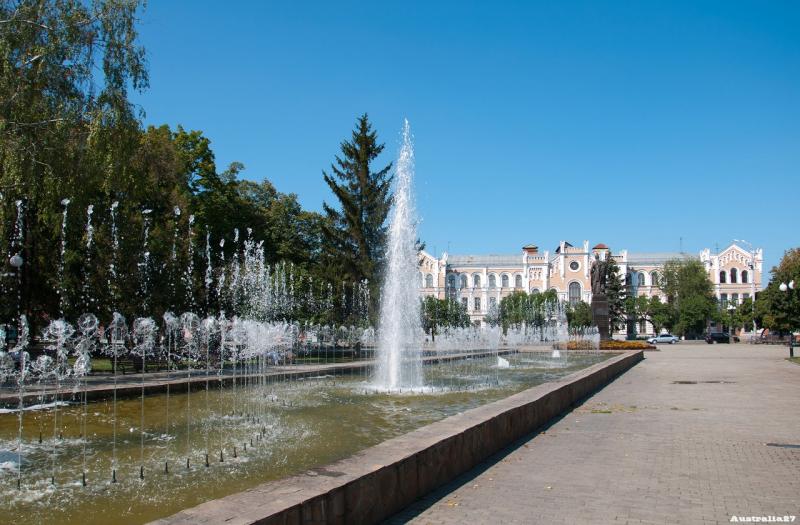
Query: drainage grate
{"x": 781, "y": 445}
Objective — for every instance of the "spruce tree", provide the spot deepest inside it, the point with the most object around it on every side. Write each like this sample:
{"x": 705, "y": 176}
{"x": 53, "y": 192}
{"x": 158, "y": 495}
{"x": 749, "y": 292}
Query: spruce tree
{"x": 355, "y": 231}
{"x": 615, "y": 294}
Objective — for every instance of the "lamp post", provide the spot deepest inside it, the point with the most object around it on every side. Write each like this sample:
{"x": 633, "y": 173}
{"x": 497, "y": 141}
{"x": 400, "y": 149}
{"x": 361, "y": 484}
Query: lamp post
{"x": 789, "y": 288}
{"x": 731, "y": 309}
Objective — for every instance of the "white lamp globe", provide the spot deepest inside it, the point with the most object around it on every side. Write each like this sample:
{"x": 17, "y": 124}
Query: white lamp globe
{"x": 783, "y": 287}
{"x": 15, "y": 260}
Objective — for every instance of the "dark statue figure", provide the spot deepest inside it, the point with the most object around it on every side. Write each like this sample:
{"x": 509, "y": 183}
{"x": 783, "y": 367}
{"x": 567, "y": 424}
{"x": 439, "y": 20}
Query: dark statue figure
{"x": 599, "y": 273}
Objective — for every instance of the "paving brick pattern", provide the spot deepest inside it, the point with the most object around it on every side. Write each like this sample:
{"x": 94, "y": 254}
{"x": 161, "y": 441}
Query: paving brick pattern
{"x": 649, "y": 450}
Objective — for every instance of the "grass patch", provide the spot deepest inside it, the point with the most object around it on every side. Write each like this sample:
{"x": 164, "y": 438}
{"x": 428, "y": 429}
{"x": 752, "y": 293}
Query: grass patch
{"x": 795, "y": 360}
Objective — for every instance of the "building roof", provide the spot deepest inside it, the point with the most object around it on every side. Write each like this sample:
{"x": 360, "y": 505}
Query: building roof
{"x": 566, "y": 245}
{"x": 485, "y": 260}
{"x": 656, "y": 257}
{"x": 600, "y": 246}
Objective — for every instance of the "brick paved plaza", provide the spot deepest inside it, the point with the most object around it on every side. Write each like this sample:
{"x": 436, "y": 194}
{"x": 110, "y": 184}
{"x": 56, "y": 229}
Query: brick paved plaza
{"x": 686, "y": 436}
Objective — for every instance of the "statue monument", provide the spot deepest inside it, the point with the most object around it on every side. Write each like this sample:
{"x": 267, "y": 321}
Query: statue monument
{"x": 599, "y": 300}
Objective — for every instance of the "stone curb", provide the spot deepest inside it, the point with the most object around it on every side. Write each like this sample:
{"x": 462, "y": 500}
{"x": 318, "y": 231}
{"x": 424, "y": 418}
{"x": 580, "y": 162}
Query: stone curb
{"x": 382, "y": 480}
{"x": 378, "y": 482}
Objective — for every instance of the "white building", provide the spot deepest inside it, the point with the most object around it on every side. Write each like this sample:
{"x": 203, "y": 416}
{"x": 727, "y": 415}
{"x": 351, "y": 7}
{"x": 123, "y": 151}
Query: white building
{"x": 481, "y": 281}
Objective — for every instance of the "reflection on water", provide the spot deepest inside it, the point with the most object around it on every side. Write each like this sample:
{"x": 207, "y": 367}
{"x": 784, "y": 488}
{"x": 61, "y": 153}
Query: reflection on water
{"x": 251, "y": 434}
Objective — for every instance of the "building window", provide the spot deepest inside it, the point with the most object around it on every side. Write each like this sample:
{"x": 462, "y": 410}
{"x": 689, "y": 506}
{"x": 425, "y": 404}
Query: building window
{"x": 477, "y": 304}
{"x": 722, "y": 277}
{"x": 744, "y": 276}
{"x": 642, "y": 326}
{"x": 723, "y": 298}
{"x": 733, "y": 275}
{"x": 641, "y": 279}
{"x": 745, "y": 296}
{"x": 464, "y": 303}
{"x": 492, "y": 302}
{"x": 574, "y": 266}
{"x": 574, "y": 293}
{"x": 463, "y": 281}
{"x": 429, "y": 281}
{"x": 504, "y": 281}
{"x": 476, "y": 280}
{"x": 492, "y": 281}
{"x": 735, "y": 298}
{"x": 451, "y": 281}
{"x": 518, "y": 281}
{"x": 535, "y": 291}
{"x": 654, "y": 279}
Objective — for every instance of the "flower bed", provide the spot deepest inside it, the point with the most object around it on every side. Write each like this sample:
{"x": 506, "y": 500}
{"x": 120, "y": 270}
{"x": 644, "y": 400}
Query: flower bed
{"x": 626, "y": 345}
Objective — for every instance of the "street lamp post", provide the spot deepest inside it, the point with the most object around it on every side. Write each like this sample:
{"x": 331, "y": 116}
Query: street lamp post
{"x": 731, "y": 310}
{"x": 789, "y": 288}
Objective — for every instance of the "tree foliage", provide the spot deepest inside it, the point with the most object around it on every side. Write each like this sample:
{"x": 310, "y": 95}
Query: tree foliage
{"x": 438, "y": 314}
{"x": 776, "y": 309}
{"x": 519, "y": 309}
{"x": 689, "y": 294}
{"x": 355, "y": 230}
{"x": 579, "y": 315}
{"x": 615, "y": 294}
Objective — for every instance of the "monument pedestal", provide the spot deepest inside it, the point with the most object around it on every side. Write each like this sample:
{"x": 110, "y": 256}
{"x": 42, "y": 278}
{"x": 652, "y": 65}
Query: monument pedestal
{"x": 600, "y": 315}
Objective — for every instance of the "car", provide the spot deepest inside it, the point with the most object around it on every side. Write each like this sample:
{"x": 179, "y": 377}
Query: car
{"x": 720, "y": 337}
{"x": 663, "y": 338}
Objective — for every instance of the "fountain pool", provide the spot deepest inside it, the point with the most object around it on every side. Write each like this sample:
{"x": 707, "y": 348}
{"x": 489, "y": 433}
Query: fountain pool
{"x": 261, "y": 432}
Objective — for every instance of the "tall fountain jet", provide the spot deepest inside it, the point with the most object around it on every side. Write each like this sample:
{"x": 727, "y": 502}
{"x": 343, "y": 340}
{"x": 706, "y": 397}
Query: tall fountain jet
{"x": 400, "y": 341}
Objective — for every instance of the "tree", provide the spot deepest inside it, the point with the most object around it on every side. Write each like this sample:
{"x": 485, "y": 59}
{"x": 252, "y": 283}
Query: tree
{"x": 442, "y": 313}
{"x": 659, "y": 314}
{"x": 651, "y": 309}
{"x": 776, "y": 309}
{"x": 689, "y": 294}
{"x": 518, "y": 309}
{"x": 355, "y": 231}
{"x": 67, "y": 67}
{"x": 579, "y": 315}
{"x": 615, "y": 294}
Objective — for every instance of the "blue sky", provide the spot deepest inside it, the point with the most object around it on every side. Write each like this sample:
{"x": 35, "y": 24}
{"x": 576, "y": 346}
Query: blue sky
{"x": 635, "y": 124}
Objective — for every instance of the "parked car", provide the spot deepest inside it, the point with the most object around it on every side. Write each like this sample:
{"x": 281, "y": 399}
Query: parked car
{"x": 663, "y": 338}
{"x": 720, "y": 337}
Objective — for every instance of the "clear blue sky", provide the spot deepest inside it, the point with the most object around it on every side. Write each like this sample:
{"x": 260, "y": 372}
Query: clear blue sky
{"x": 629, "y": 123}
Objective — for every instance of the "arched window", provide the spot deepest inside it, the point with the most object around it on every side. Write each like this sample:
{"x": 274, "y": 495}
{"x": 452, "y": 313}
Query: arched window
{"x": 535, "y": 291}
{"x": 429, "y": 281}
{"x": 504, "y": 281}
{"x": 451, "y": 281}
{"x": 641, "y": 279}
{"x": 518, "y": 281}
{"x": 574, "y": 293}
{"x": 463, "y": 281}
{"x": 744, "y": 276}
{"x": 733, "y": 275}
{"x": 722, "y": 277}
{"x": 654, "y": 279}
{"x": 476, "y": 280}
{"x": 492, "y": 280}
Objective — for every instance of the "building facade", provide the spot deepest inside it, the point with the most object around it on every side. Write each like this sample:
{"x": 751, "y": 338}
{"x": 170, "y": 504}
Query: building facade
{"x": 479, "y": 282}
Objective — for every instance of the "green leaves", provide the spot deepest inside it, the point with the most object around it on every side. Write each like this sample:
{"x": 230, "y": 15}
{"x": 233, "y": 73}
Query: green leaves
{"x": 438, "y": 314}
{"x": 355, "y": 232}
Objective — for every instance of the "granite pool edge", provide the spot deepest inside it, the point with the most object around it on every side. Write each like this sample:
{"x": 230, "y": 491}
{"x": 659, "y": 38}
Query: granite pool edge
{"x": 379, "y": 481}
